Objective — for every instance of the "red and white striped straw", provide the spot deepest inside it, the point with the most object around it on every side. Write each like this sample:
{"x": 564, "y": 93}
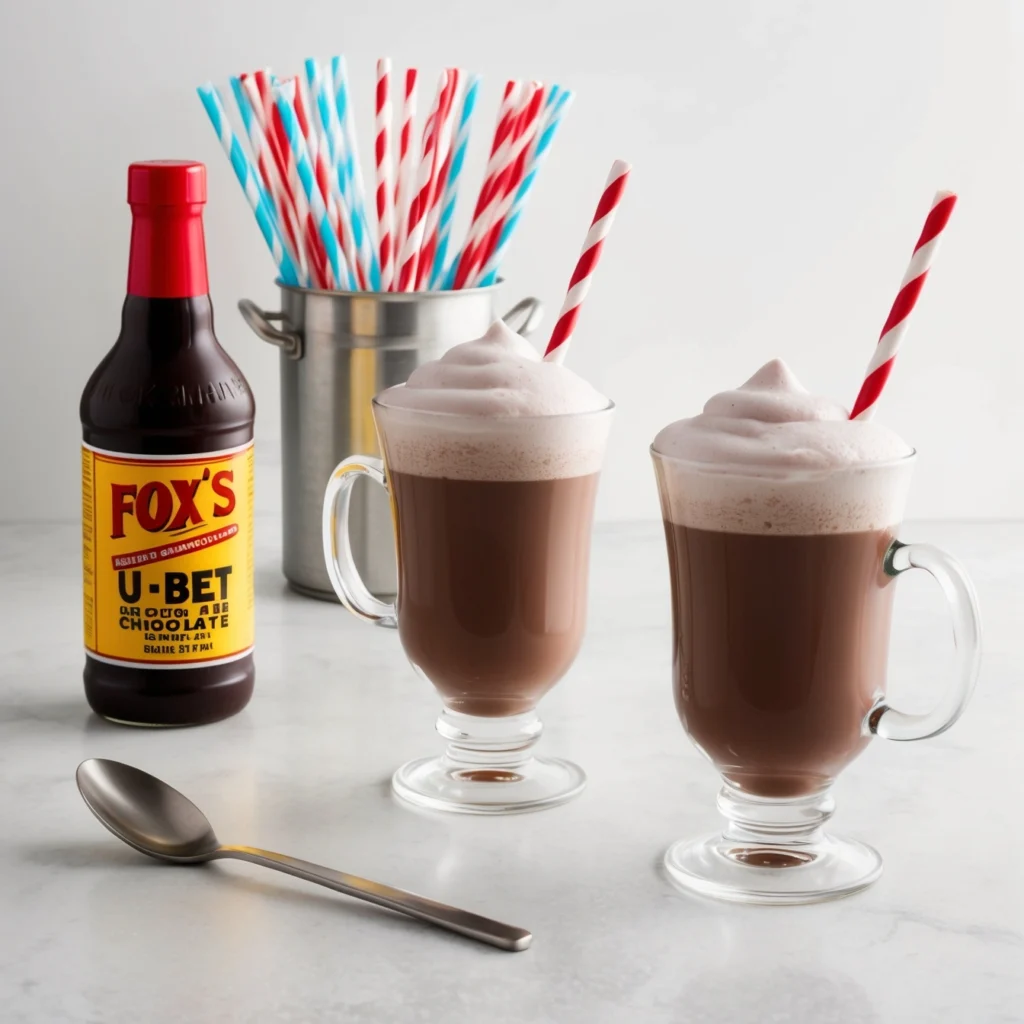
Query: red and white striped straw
{"x": 478, "y": 228}
{"x": 316, "y": 256}
{"x": 326, "y": 172}
{"x": 439, "y": 175}
{"x": 406, "y": 161}
{"x": 910, "y": 290}
{"x": 268, "y": 168}
{"x": 522, "y": 136}
{"x": 421, "y": 198}
{"x": 316, "y": 147}
{"x": 579, "y": 284}
{"x": 385, "y": 175}
{"x": 257, "y": 85}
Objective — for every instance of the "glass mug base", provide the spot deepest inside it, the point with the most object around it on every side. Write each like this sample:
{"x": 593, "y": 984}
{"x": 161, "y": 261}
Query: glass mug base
{"x": 488, "y": 768}
{"x": 441, "y": 784}
{"x": 723, "y": 868}
{"x": 773, "y": 850}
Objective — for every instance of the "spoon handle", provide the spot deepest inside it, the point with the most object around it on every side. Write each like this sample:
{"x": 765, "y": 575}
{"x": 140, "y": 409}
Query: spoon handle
{"x": 483, "y": 929}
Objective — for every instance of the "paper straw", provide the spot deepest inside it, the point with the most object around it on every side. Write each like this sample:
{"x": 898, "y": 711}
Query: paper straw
{"x": 316, "y": 255}
{"x": 416, "y": 220}
{"x": 503, "y": 124}
{"x": 507, "y": 113}
{"x": 555, "y": 104}
{"x": 385, "y": 173}
{"x": 522, "y": 139}
{"x": 323, "y": 99}
{"x": 317, "y": 204}
{"x": 451, "y": 188}
{"x": 549, "y": 104}
{"x": 316, "y": 150}
{"x": 906, "y": 299}
{"x": 354, "y": 174}
{"x": 261, "y": 104}
{"x": 248, "y": 178}
{"x": 439, "y": 177}
{"x": 538, "y": 152}
{"x": 306, "y": 172}
{"x": 284, "y": 192}
{"x": 307, "y": 109}
{"x": 299, "y": 95}
{"x": 253, "y": 132}
{"x": 268, "y": 173}
{"x": 583, "y": 274}
{"x": 409, "y": 259}
{"x": 323, "y": 103}
{"x": 406, "y": 161}
{"x": 317, "y": 154}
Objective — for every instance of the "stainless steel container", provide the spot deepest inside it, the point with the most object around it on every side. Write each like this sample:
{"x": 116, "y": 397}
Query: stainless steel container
{"x": 338, "y": 349}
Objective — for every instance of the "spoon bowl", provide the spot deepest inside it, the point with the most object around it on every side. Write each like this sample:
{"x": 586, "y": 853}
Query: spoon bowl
{"x": 145, "y": 812}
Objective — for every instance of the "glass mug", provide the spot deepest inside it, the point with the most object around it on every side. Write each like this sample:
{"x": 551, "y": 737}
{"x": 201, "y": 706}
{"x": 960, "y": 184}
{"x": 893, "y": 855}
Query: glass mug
{"x": 780, "y": 643}
{"x": 492, "y": 521}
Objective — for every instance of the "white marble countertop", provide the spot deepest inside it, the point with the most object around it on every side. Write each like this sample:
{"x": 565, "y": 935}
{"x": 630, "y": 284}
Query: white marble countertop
{"x": 92, "y": 931}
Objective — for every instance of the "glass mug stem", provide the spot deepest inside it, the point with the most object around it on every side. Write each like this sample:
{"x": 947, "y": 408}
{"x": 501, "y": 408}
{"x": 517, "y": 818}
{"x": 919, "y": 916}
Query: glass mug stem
{"x": 478, "y": 746}
{"x": 757, "y": 821}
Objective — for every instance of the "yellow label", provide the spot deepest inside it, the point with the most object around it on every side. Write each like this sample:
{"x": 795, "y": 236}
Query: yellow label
{"x": 167, "y": 557}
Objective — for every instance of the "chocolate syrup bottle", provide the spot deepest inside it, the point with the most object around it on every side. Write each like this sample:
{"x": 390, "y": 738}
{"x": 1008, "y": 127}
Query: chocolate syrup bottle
{"x": 167, "y": 425}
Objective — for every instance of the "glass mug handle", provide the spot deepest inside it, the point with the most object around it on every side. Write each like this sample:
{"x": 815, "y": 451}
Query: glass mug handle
{"x": 341, "y": 566}
{"x": 891, "y": 724}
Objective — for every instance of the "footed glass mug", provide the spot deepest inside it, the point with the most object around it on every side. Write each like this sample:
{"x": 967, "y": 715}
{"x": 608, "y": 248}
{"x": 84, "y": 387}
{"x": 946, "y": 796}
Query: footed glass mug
{"x": 781, "y": 624}
{"x": 492, "y": 519}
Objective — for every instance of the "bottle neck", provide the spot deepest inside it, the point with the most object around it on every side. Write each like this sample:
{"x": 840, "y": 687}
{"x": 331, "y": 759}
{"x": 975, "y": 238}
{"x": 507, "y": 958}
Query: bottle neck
{"x": 168, "y": 252}
{"x": 168, "y": 326}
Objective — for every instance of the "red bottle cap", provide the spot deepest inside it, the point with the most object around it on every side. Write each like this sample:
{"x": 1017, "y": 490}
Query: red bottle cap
{"x": 168, "y": 253}
{"x": 166, "y": 183}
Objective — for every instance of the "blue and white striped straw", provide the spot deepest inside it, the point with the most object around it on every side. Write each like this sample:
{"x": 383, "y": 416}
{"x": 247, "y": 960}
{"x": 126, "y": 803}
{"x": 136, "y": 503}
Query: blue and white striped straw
{"x": 354, "y": 175}
{"x": 249, "y": 179}
{"x": 320, "y": 89}
{"x": 549, "y": 102}
{"x": 252, "y": 130}
{"x": 451, "y": 188}
{"x": 258, "y": 143}
{"x": 558, "y": 102}
{"x": 336, "y": 258}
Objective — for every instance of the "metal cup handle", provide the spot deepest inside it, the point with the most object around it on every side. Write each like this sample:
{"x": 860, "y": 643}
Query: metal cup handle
{"x": 289, "y": 342}
{"x": 532, "y": 311}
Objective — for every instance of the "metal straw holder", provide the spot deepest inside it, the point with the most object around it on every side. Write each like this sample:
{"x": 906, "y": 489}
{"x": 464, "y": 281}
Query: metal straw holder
{"x": 339, "y": 349}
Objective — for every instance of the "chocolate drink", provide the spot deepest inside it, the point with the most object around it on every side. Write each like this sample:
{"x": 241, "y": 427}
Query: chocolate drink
{"x": 167, "y": 426}
{"x": 779, "y": 511}
{"x": 492, "y": 584}
{"x": 492, "y": 459}
{"x": 491, "y": 456}
{"x": 780, "y": 646}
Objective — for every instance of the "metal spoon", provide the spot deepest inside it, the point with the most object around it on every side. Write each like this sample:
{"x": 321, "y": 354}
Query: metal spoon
{"x": 158, "y": 820}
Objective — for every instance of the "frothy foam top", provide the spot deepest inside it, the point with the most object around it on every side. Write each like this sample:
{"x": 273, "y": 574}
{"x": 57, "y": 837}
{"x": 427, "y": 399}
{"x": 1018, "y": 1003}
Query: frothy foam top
{"x": 503, "y": 414}
{"x": 769, "y": 457}
{"x": 500, "y": 374}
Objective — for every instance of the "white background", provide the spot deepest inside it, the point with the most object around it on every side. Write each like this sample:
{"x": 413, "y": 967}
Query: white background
{"x": 785, "y": 154}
